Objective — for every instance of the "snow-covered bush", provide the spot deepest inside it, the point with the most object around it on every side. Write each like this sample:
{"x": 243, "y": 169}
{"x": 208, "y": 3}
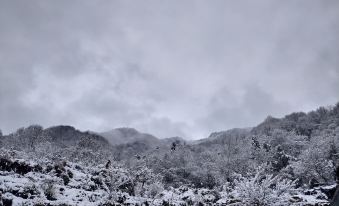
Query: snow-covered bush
{"x": 313, "y": 166}
{"x": 49, "y": 190}
{"x": 154, "y": 189}
{"x": 263, "y": 190}
{"x": 118, "y": 178}
{"x": 145, "y": 181}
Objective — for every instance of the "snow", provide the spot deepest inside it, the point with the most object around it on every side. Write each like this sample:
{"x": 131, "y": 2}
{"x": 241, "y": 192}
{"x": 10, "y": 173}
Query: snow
{"x": 33, "y": 188}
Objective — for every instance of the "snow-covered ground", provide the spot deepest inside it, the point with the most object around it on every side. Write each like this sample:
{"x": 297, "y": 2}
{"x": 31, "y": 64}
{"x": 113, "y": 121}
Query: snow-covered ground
{"x": 65, "y": 183}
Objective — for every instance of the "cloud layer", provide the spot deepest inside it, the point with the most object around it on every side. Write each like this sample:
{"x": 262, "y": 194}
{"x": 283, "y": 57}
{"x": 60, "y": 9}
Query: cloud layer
{"x": 170, "y": 68}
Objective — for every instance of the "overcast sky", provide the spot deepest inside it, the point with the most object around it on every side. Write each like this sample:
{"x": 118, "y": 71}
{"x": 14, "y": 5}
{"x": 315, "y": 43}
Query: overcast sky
{"x": 170, "y": 68}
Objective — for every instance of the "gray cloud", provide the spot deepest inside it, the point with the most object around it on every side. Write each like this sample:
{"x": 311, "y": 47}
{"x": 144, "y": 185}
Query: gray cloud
{"x": 171, "y": 68}
{"x": 230, "y": 109}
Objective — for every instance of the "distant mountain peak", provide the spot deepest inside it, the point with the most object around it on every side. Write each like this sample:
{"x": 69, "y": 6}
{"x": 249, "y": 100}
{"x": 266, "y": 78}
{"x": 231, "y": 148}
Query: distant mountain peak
{"x": 124, "y": 135}
{"x": 127, "y": 130}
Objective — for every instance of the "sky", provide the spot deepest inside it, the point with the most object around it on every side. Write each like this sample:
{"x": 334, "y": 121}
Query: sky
{"x": 169, "y": 68}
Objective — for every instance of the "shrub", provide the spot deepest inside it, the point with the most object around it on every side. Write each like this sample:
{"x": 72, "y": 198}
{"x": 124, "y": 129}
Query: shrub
{"x": 65, "y": 178}
{"x": 263, "y": 190}
{"x": 49, "y": 190}
{"x": 154, "y": 189}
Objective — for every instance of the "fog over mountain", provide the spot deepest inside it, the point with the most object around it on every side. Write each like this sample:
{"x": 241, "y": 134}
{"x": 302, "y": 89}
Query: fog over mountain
{"x": 168, "y": 68}
{"x": 169, "y": 103}
{"x": 126, "y": 135}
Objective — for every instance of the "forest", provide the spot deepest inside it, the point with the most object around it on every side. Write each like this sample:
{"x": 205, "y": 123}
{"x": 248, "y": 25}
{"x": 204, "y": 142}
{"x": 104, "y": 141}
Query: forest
{"x": 292, "y": 160}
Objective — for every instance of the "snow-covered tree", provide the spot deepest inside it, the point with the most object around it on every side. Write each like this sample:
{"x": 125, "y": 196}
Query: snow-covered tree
{"x": 263, "y": 189}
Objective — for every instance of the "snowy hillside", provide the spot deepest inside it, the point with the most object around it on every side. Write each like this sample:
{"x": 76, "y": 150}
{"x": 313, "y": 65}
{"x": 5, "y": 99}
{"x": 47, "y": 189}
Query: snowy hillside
{"x": 287, "y": 161}
{"x": 26, "y": 182}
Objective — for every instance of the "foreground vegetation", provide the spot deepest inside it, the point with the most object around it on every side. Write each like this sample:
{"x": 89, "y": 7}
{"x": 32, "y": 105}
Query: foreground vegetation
{"x": 287, "y": 161}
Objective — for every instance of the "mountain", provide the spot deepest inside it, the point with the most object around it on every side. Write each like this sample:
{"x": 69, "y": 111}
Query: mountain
{"x": 224, "y": 137}
{"x": 307, "y": 124}
{"x": 299, "y": 150}
{"x": 126, "y": 135}
{"x": 170, "y": 140}
{"x": 128, "y": 142}
{"x": 62, "y": 137}
{"x": 69, "y": 136}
